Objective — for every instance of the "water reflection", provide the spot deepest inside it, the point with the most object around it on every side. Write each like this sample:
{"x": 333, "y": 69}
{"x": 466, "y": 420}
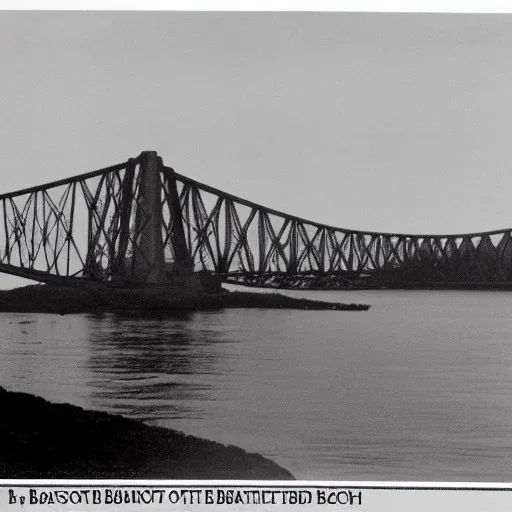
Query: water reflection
{"x": 418, "y": 388}
{"x": 139, "y": 360}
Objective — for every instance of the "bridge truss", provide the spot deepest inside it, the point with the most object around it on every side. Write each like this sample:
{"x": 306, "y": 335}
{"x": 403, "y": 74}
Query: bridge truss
{"x": 94, "y": 227}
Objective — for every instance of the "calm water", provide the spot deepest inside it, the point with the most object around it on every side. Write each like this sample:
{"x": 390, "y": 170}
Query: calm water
{"x": 418, "y": 388}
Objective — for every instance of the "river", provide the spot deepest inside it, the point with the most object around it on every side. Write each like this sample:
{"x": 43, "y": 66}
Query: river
{"x": 417, "y": 388}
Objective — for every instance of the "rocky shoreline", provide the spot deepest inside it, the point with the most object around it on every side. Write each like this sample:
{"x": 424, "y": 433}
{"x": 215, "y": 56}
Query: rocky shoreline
{"x": 40, "y": 439}
{"x": 71, "y": 299}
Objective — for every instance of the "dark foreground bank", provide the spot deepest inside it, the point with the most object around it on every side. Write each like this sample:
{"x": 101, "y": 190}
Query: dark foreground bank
{"x": 64, "y": 300}
{"x": 40, "y": 439}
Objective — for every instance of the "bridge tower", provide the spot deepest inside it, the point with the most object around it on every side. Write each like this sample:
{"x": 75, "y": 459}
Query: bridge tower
{"x": 147, "y": 265}
{"x": 148, "y": 262}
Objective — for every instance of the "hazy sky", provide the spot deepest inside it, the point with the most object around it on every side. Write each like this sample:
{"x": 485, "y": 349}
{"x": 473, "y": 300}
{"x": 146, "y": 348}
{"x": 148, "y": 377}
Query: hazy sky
{"x": 390, "y": 122}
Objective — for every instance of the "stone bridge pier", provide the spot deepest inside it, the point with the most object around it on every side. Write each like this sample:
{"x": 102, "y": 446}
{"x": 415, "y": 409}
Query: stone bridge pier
{"x": 147, "y": 267}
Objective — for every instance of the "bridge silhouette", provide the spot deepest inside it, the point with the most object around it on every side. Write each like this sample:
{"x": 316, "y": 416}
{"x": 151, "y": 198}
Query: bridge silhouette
{"x": 141, "y": 223}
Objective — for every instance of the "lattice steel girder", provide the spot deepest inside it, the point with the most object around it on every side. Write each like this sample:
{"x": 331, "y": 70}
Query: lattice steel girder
{"x": 273, "y": 241}
{"x": 95, "y": 226}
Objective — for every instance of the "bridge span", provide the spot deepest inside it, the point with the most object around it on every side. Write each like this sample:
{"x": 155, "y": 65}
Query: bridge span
{"x": 140, "y": 223}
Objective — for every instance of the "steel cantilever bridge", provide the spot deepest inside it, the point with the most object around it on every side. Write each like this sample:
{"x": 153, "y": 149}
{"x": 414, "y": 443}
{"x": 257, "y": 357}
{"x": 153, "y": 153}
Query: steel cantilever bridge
{"x": 139, "y": 222}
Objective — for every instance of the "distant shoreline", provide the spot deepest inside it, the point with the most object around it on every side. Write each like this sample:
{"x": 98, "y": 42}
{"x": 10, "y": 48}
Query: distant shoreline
{"x": 40, "y": 439}
{"x": 72, "y": 299}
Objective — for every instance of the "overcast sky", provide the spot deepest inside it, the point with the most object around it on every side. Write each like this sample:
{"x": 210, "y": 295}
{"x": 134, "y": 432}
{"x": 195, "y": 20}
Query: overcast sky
{"x": 390, "y": 122}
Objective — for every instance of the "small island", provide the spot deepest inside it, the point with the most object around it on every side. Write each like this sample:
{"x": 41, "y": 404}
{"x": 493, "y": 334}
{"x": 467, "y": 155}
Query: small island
{"x": 48, "y": 298}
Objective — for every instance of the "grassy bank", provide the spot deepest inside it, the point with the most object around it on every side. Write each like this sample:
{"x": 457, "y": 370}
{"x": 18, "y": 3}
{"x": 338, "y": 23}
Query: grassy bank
{"x": 64, "y": 300}
{"x": 40, "y": 439}
{"x": 277, "y": 301}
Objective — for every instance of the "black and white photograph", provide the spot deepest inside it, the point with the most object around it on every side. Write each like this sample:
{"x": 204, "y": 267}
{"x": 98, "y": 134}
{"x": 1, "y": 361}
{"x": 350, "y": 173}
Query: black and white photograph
{"x": 269, "y": 245}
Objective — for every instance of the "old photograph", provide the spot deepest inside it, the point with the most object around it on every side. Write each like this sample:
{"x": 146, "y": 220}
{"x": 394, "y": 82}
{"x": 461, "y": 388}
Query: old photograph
{"x": 255, "y": 246}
